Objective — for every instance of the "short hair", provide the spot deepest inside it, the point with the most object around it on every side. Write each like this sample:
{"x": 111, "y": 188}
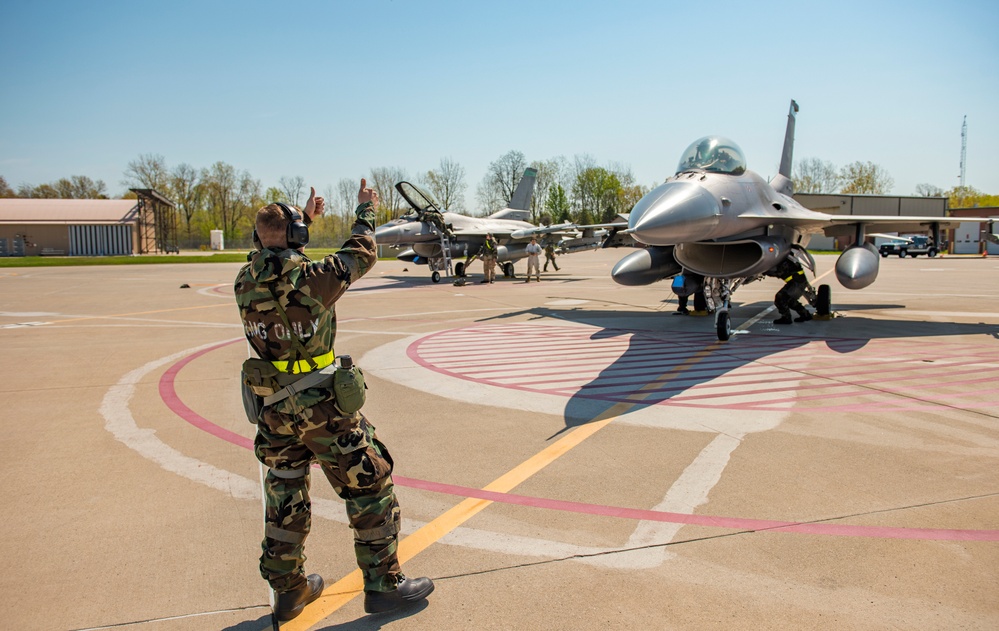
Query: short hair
{"x": 272, "y": 226}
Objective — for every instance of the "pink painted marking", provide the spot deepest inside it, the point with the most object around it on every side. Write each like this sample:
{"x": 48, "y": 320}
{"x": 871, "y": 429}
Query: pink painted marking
{"x": 168, "y": 393}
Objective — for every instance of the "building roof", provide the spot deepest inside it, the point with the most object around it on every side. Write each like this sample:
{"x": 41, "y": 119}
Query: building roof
{"x": 68, "y": 211}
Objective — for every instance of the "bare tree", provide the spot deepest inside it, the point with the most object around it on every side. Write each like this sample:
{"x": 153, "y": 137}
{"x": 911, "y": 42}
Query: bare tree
{"x": 292, "y": 188}
{"x": 500, "y": 181}
{"x": 188, "y": 192}
{"x": 383, "y": 180}
{"x": 447, "y": 184}
{"x": 5, "y": 189}
{"x": 928, "y": 190}
{"x": 813, "y": 175}
{"x": 865, "y": 178}
{"x": 147, "y": 171}
{"x": 80, "y": 187}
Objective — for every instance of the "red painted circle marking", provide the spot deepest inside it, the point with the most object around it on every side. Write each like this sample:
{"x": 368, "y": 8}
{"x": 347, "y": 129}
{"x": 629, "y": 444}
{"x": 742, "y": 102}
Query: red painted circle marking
{"x": 168, "y": 392}
{"x": 761, "y": 373}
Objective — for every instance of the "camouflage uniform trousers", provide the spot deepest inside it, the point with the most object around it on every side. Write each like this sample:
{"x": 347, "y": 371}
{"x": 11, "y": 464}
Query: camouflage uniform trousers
{"x": 359, "y": 468}
{"x": 489, "y": 267}
{"x": 550, "y": 258}
{"x": 787, "y": 298}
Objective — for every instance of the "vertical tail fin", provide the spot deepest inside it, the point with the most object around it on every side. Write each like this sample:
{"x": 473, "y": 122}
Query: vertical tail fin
{"x": 785, "y": 158}
{"x": 521, "y": 199}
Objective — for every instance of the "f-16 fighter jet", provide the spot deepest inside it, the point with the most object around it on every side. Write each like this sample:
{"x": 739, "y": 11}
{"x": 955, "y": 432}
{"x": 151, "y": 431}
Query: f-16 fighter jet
{"x": 435, "y": 235}
{"x": 717, "y": 219}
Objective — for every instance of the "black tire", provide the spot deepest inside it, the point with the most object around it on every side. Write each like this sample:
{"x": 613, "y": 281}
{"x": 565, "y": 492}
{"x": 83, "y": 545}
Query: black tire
{"x": 901, "y": 254}
{"x": 823, "y": 300}
{"x": 436, "y": 277}
{"x": 884, "y": 255}
{"x": 931, "y": 253}
{"x": 913, "y": 255}
{"x": 508, "y": 269}
{"x": 723, "y": 326}
{"x": 459, "y": 269}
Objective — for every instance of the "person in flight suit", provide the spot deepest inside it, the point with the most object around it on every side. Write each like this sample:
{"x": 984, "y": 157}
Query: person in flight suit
{"x": 795, "y": 286}
{"x": 533, "y": 260}
{"x": 286, "y": 302}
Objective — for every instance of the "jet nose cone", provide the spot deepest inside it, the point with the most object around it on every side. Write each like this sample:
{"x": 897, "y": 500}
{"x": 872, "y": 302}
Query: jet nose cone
{"x": 675, "y": 212}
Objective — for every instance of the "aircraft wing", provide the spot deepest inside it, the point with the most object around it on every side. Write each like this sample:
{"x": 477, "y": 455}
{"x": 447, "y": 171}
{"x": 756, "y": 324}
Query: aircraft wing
{"x": 842, "y": 224}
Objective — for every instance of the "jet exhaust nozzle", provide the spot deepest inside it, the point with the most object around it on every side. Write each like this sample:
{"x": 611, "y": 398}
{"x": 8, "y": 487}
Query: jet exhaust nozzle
{"x": 857, "y": 267}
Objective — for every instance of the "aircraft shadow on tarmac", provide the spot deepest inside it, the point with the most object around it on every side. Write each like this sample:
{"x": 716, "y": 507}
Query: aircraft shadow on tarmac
{"x": 667, "y": 355}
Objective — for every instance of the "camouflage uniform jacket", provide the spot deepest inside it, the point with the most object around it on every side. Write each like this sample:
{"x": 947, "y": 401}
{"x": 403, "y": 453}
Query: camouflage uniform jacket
{"x": 307, "y": 291}
{"x": 488, "y": 250}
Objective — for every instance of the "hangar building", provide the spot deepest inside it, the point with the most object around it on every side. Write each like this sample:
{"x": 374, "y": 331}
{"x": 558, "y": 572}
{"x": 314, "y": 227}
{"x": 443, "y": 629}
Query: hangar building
{"x": 88, "y": 227}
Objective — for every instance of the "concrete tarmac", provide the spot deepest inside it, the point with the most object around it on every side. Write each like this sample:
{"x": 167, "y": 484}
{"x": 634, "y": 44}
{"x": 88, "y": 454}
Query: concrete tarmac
{"x": 569, "y": 454}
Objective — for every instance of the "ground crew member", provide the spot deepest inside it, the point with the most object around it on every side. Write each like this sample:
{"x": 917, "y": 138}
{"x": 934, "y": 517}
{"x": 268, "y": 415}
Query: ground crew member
{"x": 550, "y": 255}
{"x": 533, "y": 260}
{"x": 286, "y": 303}
{"x": 435, "y": 218}
{"x": 795, "y": 286}
{"x": 488, "y": 253}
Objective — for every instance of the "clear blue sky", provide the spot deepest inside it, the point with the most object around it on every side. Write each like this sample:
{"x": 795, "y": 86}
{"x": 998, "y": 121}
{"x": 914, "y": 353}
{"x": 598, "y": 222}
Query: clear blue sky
{"x": 328, "y": 90}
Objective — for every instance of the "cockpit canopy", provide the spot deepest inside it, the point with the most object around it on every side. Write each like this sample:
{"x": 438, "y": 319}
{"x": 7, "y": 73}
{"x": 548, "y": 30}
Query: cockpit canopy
{"x": 418, "y": 198}
{"x": 715, "y": 154}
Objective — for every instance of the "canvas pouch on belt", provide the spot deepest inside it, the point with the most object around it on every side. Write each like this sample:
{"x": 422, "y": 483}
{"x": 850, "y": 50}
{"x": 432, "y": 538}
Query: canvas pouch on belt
{"x": 259, "y": 380}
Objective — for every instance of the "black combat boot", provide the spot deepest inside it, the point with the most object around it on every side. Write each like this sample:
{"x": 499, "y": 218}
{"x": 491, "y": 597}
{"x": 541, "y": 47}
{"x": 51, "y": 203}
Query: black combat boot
{"x": 804, "y": 316}
{"x": 784, "y": 319}
{"x": 289, "y": 604}
{"x": 408, "y": 590}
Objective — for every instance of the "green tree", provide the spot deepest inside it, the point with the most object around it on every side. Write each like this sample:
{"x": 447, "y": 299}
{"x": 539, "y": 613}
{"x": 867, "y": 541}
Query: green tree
{"x": 557, "y": 204}
{"x": 970, "y": 197}
{"x": 232, "y": 199}
{"x": 5, "y": 189}
{"x": 187, "y": 191}
{"x": 860, "y": 178}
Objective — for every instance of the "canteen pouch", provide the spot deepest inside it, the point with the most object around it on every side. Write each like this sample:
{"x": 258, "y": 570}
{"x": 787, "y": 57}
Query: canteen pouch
{"x": 253, "y": 405}
{"x": 348, "y": 388}
{"x": 261, "y": 377}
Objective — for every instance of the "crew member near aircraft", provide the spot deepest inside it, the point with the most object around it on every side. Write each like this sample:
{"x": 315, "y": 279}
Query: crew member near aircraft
{"x": 488, "y": 253}
{"x": 435, "y": 218}
{"x": 286, "y": 302}
{"x": 533, "y": 260}
{"x": 550, "y": 255}
{"x": 795, "y": 286}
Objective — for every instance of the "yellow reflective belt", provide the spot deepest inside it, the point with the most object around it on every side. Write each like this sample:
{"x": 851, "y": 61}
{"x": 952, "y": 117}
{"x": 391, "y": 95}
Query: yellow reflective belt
{"x": 303, "y": 365}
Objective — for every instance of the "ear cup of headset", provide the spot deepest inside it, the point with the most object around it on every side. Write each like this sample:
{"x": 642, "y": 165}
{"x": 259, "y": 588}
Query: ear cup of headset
{"x": 298, "y": 232}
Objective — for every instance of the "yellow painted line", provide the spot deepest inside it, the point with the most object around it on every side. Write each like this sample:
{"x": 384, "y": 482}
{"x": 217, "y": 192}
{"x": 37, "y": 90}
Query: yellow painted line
{"x": 351, "y": 586}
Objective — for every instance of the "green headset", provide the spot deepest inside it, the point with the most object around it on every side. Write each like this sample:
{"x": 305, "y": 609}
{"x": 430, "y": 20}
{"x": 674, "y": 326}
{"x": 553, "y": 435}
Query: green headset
{"x": 297, "y": 234}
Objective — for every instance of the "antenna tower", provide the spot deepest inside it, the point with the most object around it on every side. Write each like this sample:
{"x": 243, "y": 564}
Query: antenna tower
{"x": 964, "y": 147}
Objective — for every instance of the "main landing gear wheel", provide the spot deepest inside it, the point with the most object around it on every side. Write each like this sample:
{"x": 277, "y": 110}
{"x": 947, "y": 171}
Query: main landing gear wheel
{"x": 436, "y": 277}
{"x": 723, "y": 324}
{"x": 823, "y": 301}
{"x": 459, "y": 269}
